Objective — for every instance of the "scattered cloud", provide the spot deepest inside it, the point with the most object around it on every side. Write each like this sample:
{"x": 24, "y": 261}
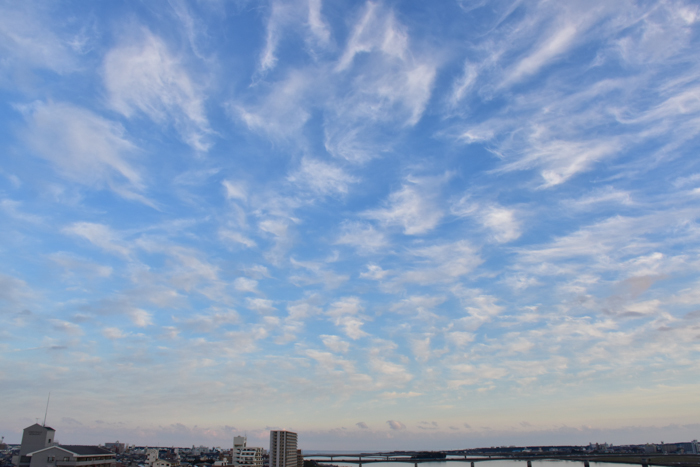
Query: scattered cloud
{"x": 396, "y": 425}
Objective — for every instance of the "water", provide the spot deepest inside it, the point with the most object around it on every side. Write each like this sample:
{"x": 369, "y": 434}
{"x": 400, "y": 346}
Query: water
{"x": 494, "y": 463}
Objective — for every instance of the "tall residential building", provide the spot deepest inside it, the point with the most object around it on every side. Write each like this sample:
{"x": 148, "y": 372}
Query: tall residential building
{"x": 244, "y": 456}
{"x": 283, "y": 449}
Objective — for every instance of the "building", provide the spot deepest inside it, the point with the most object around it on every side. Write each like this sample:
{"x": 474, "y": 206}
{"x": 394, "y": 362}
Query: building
{"x": 165, "y": 463}
{"x": 71, "y": 456}
{"x": 685, "y": 448}
{"x": 283, "y": 449}
{"x": 36, "y": 437}
{"x": 117, "y": 447}
{"x": 152, "y": 456}
{"x": 244, "y": 456}
{"x": 39, "y": 449}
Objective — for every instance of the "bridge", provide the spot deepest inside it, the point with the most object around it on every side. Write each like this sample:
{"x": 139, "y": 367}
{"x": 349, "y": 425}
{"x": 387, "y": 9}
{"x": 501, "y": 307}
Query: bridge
{"x": 412, "y": 458}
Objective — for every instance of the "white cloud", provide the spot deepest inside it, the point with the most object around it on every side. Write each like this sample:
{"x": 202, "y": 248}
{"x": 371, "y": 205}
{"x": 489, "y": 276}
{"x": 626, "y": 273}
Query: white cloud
{"x": 396, "y": 425}
{"x": 374, "y": 272}
{"x": 236, "y": 237}
{"x": 414, "y": 207}
{"x": 75, "y": 264}
{"x": 321, "y": 178}
{"x": 390, "y": 373}
{"x": 364, "y": 237}
{"x": 502, "y": 222}
{"x": 460, "y": 338}
{"x": 481, "y": 308}
{"x": 12, "y": 209}
{"x": 374, "y": 31}
{"x": 391, "y": 87}
{"x": 101, "y": 236}
{"x": 261, "y": 305}
{"x": 422, "y": 306}
{"x": 315, "y": 273}
{"x": 346, "y": 314}
{"x": 282, "y": 112}
{"x": 212, "y": 321}
{"x": 606, "y": 195}
{"x": 286, "y": 17}
{"x": 235, "y": 190}
{"x": 113, "y": 333}
{"x": 145, "y": 77}
{"x": 66, "y": 327}
{"x": 27, "y": 40}
{"x": 335, "y": 344}
{"x": 317, "y": 25}
{"x": 464, "y": 84}
{"x": 140, "y": 318}
{"x": 84, "y": 147}
{"x": 243, "y": 284}
{"x": 556, "y": 44}
{"x": 440, "y": 263}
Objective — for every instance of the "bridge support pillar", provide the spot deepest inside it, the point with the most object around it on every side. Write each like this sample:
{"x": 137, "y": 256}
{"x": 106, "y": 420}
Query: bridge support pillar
{"x": 645, "y": 462}
{"x": 586, "y": 464}
{"x": 529, "y": 463}
{"x": 472, "y": 464}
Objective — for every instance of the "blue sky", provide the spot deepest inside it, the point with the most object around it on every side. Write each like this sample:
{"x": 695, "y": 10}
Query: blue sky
{"x": 382, "y": 225}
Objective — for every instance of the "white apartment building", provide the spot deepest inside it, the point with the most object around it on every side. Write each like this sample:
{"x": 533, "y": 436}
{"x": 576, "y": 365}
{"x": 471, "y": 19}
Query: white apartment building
{"x": 283, "y": 449}
{"x": 244, "y": 456}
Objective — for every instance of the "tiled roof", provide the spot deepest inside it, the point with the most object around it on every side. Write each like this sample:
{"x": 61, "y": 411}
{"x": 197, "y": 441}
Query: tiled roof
{"x": 85, "y": 450}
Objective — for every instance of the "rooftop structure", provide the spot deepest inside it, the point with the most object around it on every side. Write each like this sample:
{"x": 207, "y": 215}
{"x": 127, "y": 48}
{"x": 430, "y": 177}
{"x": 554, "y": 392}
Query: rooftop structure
{"x": 36, "y": 437}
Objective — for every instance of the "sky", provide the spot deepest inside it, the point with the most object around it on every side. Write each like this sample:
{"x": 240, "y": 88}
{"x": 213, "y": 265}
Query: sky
{"x": 380, "y": 224}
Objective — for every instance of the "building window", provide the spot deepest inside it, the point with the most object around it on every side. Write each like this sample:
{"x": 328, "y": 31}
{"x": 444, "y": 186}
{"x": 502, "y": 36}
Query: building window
{"x": 51, "y": 459}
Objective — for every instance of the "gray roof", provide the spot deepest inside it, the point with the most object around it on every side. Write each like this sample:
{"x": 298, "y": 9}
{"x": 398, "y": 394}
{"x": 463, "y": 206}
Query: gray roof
{"x": 85, "y": 450}
{"x": 40, "y": 426}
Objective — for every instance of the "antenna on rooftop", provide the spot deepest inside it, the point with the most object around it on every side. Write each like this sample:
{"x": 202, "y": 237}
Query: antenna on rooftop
{"x": 47, "y": 407}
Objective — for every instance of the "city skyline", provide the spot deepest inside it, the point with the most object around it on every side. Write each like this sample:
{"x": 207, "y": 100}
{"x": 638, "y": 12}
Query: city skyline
{"x": 377, "y": 224}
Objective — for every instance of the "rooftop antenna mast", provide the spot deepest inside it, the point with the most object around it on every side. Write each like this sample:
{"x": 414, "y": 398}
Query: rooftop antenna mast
{"x": 47, "y": 407}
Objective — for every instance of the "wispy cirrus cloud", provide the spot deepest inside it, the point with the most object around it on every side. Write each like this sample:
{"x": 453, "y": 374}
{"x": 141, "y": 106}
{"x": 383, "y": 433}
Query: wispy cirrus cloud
{"x": 29, "y": 40}
{"x": 321, "y": 178}
{"x": 143, "y": 76}
{"x": 85, "y": 148}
